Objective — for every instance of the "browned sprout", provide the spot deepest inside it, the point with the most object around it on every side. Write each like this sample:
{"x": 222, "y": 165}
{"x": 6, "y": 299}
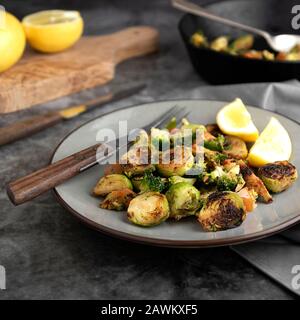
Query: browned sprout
{"x": 254, "y": 183}
{"x": 118, "y": 200}
{"x": 137, "y": 161}
{"x": 235, "y": 147}
{"x": 213, "y": 129}
{"x": 111, "y": 182}
{"x": 148, "y": 209}
{"x": 219, "y": 44}
{"x": 241, "y": 44}
{"x": 176, "y": 162}
{"x": 222, "y": 210}
{"x": 278, "y": 176}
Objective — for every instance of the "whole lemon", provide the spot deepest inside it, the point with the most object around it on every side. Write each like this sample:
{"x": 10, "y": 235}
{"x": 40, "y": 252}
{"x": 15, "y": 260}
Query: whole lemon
{"x": 12, "y": 41}
{"x": 53, "y": 30}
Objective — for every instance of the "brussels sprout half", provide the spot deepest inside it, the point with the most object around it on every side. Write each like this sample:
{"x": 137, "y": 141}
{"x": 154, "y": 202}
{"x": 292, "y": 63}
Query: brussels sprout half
{"x": 149, "y": 182}
{"x": 253, "y": 182}
{"x": 136, "y": 161}
{"x": 219, "y": 44}
{"x": 118, "y": 200}
{"x": 278, "y": 176}
{"x": 111, "y": 182}
{"x": 199, "y": 40}
{"x": 241, "y": 43}
{"x": 184, "y": 200}
{"x": 148, "y": 209}
{"x": 175, "y": 162}
{"x": 160, "y": 139}
{"x": 222, "y": 210}
{"x": 177, "y": 179}
{"x": 235, "y": 147}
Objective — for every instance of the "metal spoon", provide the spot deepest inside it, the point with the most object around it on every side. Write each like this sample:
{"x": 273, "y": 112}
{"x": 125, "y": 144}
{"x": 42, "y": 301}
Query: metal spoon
{"x": 282, "y": 42}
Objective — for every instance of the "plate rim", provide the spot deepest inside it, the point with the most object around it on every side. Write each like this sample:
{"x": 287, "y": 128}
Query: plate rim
{"x": 162, "y": 242}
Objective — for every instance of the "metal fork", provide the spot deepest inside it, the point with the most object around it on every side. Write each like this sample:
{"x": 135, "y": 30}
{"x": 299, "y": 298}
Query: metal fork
{"x": 159, "y": 122}
{"x": 38, "y": 182}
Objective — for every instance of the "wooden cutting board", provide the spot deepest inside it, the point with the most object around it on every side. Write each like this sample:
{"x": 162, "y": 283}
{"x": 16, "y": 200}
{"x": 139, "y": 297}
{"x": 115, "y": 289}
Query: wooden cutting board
{"x": 38, "y": 78}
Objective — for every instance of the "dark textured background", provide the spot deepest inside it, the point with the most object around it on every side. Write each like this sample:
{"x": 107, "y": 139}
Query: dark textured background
{"x": 49, "y": 255}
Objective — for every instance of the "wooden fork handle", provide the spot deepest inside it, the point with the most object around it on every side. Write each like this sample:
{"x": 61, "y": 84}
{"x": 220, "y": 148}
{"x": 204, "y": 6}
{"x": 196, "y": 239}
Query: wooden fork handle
{"x": 36, "y": 183}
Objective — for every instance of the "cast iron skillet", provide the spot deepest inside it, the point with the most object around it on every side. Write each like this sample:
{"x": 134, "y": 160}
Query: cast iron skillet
{"x": 220, "y": 68}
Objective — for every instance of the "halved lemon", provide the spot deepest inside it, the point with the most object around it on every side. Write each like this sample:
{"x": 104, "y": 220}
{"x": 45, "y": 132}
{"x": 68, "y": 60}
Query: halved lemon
{"x": 273, "y": 144}
{"x": 234, "y": 119}
{"x": 53, "y": 30}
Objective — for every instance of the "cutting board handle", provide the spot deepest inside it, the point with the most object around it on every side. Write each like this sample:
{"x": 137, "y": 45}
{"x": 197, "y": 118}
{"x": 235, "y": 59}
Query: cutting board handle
{"x": 91, "y": 62}
{"x": 134, "y": 42}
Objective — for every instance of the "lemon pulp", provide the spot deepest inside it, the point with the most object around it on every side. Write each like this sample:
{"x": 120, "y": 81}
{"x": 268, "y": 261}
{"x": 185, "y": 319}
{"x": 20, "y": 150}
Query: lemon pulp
{"x": 234, "y": 119}
{"x": 273, "y": 144}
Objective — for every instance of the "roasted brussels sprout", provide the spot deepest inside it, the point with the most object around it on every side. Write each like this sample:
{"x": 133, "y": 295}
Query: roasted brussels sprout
{"x": 175, "y": 162}
{"x": 292, "y": 56}
{"x": 199, "y": 40}
{"x": 112, "y": 169}
{"x": 111, "y": 182}
{"x": 215, "y": 144}
{"x": 241, "y": 43}
{"x": 198, "y": 169}
{"x": 148, "y": 209}
{"x": 118, "y": 200}
{"x": 171, "y": 124}
{"x": 186, "y": 134}
{"x": 160, "y": 139}
{"x": 213, "y": 129}
{"x": 136, "y": 161}
{"x": 214, "y": 158}
{"x": 194, "y": 127}
{"x": 137, "y": 183}
{"x": 219, "y": 44}
{"x": 134, "y": 170}
{"x": 222, "y": 210}
{"x": 184, "y": 200}
{"x": 177, "y": 179}
{"x": 254, "y": 183}
{"x": 278, "y": 176}
{"x": 149, "y": 182}
{"x": 230, "y": 180}
{"x": 252, "y": 54}
{"x": 235, "y": 147}
{"x": 267, "y": 55}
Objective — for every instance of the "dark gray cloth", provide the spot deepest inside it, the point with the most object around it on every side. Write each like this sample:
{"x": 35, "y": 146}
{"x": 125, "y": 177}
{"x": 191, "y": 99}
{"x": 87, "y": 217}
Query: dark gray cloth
{"x": 277, "y": 256}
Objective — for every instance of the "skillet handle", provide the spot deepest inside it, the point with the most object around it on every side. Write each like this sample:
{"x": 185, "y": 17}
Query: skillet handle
{"x": 40, "y": 181}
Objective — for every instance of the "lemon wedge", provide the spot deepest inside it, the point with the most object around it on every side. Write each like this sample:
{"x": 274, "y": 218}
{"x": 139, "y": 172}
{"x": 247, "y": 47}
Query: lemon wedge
{"x": 234, "y": 119}
{"x": 53, "y": 30}
{"x": 12, "y": 41}
{"x": 273, "y": 144}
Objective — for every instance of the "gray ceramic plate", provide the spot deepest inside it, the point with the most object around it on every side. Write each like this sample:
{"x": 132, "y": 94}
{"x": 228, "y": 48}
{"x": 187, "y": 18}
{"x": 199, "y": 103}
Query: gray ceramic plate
{"x": 75, "y": 194}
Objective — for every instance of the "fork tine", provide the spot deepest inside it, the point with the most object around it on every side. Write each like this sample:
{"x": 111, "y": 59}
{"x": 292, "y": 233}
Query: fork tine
{"x": 180, "y": 115}
{"x": 176, "y": 111}
{"x": 166, "y": 115}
